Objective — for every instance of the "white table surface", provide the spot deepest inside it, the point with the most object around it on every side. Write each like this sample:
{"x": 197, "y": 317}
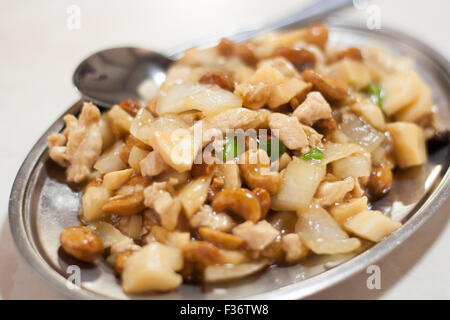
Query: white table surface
{"x": 38, "y": 54}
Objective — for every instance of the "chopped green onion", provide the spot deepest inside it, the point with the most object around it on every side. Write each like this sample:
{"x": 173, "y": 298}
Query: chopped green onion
{"x": 232, "y": 149}
{"x": 376, "y": 94}
{"x": 313, "y": 154}
{"x": 266, "y": 145}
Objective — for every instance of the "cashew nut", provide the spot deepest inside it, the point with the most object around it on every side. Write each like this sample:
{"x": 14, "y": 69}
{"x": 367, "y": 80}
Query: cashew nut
{"x": 205, "y": 166}
{"x": 300, "y": 57}
{"x": 255, "y": 169}
{"x": 81, "y": 243}
{"x": 380, "y": 181}
{"x": 239, "y": 201}
{"x": 316, "y": 35}
{"x": 219, "y": 78}
{"x": 203, "y": 254}
{"x": 221, "y": 239}
{"x": 126, "y": 204}
{"x": 264, "y": 200}
{"x": 131, "y": 106}
{"x": 331, "y": 88}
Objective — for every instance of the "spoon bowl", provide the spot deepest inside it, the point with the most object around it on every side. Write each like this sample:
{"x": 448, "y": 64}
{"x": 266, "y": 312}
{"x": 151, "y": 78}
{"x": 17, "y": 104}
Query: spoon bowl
{"x": 112, "y": 75}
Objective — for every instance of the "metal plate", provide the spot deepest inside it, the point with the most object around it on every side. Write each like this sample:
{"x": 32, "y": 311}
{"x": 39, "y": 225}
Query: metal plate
{"x": 42, "y": 204}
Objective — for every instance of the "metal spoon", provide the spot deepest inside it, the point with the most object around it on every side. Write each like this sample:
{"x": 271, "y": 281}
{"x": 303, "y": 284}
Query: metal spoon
{"x": 112, "y": 75}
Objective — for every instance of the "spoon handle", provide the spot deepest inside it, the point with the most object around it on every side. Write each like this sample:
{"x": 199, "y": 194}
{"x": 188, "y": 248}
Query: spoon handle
{"x": 305, "y": 15}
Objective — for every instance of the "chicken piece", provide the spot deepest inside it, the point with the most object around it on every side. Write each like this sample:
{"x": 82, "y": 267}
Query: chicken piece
{"x": 83, "y": 143}
{"x": 314, "y": 139}
{"x": 56, "y": 145}
{"x": 158, "y": 198}
{"x": 329, "y": 193}
{"x": 206, "y": 217}
{"x": 257, "y": 236}
{"x": 294, "y": 248}
{"x": 289, "y": 130}
{"x": 153, "y": 164}
{"x": 314, "y": 108}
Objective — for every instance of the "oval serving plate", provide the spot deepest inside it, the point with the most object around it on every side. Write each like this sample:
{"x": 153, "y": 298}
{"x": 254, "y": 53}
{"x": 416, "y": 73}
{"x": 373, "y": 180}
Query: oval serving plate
{"x": 41, "y": 203}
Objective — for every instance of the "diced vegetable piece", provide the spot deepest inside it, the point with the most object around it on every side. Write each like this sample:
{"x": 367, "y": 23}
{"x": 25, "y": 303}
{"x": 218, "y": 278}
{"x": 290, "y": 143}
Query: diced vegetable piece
{"x": 92, "y": 202}
{"x": 141, "y": 125}
{"x": 343, "y": 211}
{"x": 152, "y": 268}
{"x": 313, "y": 154}
{"x": 336, "y": 151}
{"x": 110, "y": 160}
{"x": 106, "y": 132}
{"x": 401, "y": 89}
{"x": 194, "y": 194}
{"x": 420, "y": 108}
{"x": 357, "y": 166}
{"x": 322, "y": 234}
{"x": 382, "y": 63}
{"x": 107, "y": 233}
{"x": 176, "y": 148}
{"x": 354, "y": 72}
{"x": 234, "y": 256}
{"x": 285, "y": 91}
{"x": 409, "y": 143}
{"x": 376, "y": 94}
{"x": 230, "y": 173}
{"x": 115, "y": 179}
{"x": 175, "y": 239}
{"x": 300, "y": 182}
{"x": 230, "y": 272}
{"x": 370, "y": 113}
{"x": 120, "y": 118}
{"x": 371, "y": 225}
{"x": 208, "y": 99}
{"x": 136, "y": 156}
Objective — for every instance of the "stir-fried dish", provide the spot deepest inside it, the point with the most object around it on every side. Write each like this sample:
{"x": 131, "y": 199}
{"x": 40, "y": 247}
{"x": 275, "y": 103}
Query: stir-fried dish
{"x": 249, "y": 154}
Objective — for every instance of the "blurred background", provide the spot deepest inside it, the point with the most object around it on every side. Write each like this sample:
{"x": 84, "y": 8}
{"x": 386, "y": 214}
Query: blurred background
{"x": 41, "y": 43}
